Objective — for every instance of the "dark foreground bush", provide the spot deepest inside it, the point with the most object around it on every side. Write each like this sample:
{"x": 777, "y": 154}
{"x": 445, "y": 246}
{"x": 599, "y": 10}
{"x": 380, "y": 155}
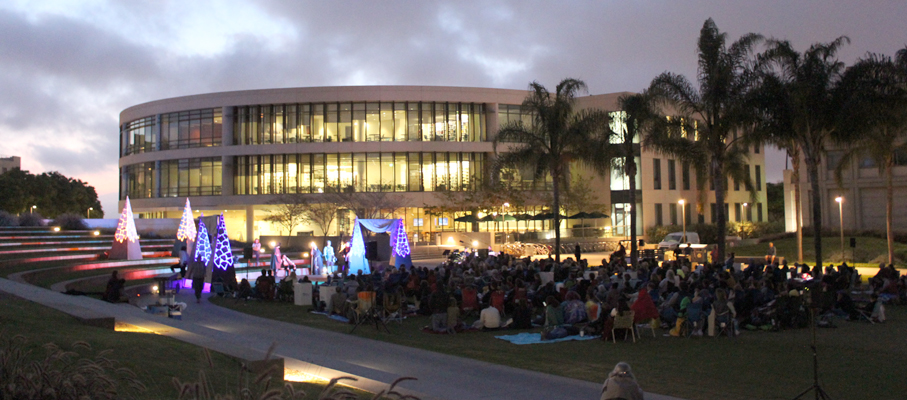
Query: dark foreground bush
{"x": 7, "y": 219}
{"x": 31, "y": 219}
{"x": 79, "y": 373}
{"x": 70, "y": 222}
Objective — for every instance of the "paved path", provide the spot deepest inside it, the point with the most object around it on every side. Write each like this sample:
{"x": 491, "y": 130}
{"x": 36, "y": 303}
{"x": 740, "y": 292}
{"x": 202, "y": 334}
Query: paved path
{"x": 328, "y": 354}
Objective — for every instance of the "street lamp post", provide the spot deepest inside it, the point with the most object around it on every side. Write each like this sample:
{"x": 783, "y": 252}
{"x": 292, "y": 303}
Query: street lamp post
{"x": 683, "y": 218}
{"x": 33, "y": 209}
{"x": 504, "y": 217}
{"x": 88, "y": 213}
{"x": 840, "y": 200}
{"x": 745, "y": 215}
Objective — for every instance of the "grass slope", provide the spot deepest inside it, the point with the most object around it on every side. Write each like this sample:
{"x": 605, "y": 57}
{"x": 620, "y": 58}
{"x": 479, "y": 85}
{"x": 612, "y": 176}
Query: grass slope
{"x": 868, "y": 250}
{"x": 857, "y": 360}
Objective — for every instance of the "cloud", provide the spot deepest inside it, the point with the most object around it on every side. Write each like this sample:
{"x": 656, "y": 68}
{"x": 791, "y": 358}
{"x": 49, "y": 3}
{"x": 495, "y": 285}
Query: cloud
{"x": 68, "y": 69}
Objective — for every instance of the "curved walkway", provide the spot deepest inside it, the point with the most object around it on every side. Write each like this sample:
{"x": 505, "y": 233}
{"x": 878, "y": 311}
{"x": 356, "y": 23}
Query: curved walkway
{"x": 328, "y": 354}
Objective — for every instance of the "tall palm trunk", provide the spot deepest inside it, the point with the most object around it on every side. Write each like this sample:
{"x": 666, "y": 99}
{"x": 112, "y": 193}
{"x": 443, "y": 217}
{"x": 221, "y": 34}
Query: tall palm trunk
{"x": 631, "y": 171}
{"x": 889, "y": 205}
{"x": 812, "y": 170}
{"x": 556, "y": 191}
{"x": 798, "y": 218}
{"x": 718, "y": 177}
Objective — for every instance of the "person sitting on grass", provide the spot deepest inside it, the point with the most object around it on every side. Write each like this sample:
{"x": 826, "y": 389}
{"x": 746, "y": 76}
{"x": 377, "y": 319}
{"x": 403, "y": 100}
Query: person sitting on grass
{"x": 522, "y": 315}
{"x": 453, "y": 315}
{"x": 338, "y": 302}
{"x": 489, "y": 319}
{"x": 438, "y": 302}
{"x": 574, "y": 309}
{"x": 554, "y": 314}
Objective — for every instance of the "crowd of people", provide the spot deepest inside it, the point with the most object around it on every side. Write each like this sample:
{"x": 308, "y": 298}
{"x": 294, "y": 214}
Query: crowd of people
{"x": 504, "y": 291}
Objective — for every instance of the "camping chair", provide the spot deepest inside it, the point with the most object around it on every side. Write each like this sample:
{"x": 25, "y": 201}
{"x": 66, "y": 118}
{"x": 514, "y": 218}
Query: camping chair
{"x": 470, "y": 302}
{"x": 624, "y": 322}
{"x": 724, "y": 324}
{"x": 393, "y": 307}
{"x": 497, "y": 300}
{"x": 365, "y": 311}
{"x": 693, "y": 322}
{"x": 641, "y": 325}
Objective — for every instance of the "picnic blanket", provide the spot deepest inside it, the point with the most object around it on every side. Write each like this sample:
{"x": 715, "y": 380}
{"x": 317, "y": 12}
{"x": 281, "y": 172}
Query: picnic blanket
{"x": 536, "y": 338}
{"x": 333, "y": 317}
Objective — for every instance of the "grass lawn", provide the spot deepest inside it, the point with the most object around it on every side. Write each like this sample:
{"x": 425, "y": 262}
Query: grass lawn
{"x": 857, "y": 360}
{"x": 155, "y": 359}
{"x": 869, "y": 250}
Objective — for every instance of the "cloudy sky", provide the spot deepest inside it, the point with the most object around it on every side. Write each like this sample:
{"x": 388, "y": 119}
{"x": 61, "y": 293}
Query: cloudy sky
{"x": 68, "y": 67}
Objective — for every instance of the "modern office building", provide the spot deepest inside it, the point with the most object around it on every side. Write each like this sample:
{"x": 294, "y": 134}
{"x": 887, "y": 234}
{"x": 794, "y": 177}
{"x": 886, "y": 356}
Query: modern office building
{"x": 235, "y": 152}
{"x": 862, "y": 192}
{"x": 10, "y": 163}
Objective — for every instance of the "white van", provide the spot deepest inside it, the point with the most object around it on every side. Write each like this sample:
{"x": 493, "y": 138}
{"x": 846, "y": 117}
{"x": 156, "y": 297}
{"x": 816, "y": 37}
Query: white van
{"x": 673, "y": 239}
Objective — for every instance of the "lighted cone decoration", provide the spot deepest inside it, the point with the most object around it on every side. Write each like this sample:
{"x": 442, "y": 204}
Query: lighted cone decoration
{"x": 187, "y": 231}
{"x": 223, "y": 256}
{"x": 126, "y": 240}
{"x": 198, "y": 268}
{"x": 185, "y": 235}
{"x": 402, "y": 256}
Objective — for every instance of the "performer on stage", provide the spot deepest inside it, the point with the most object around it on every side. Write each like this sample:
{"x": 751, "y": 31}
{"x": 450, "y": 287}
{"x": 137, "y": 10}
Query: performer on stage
{"x": 329, "y": 258}
{"x": 276, "y": 259}
{"x": 317, "y": 260}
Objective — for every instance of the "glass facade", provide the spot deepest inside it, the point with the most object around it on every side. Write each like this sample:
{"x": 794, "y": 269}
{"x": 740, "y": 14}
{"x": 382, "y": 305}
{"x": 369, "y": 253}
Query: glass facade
{"x": 172, "y": 178}
{"x": 364, "y": 172}
{"x": 138, "y": 136}
{"x": 180, "y": 130}
{"x": 188, "y": 129}
{"x": 359, "y": 122}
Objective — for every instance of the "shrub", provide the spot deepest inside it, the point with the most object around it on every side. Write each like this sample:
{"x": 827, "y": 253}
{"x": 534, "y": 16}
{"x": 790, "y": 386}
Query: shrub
{"x": 67, "y": 374}
{"x": 7, "y": 219}
{"x": 70, "y": 222}
{"x": 31, "y": 219}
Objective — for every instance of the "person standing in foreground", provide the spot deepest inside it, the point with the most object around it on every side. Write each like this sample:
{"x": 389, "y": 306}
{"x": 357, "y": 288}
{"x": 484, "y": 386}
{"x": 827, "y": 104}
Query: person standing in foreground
{"x": 621, "y": 384}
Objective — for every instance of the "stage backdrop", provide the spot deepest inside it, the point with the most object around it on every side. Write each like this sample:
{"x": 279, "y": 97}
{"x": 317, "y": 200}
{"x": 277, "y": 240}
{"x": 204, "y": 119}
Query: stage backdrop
{"x": 399, "y": 243}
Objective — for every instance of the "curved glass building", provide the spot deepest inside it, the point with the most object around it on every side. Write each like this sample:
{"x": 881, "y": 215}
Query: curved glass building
{"x": 236, "y": 152}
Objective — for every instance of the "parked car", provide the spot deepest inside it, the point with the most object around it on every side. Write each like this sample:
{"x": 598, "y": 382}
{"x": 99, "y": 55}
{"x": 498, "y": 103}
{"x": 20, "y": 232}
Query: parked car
{"x": 673, "y": 239}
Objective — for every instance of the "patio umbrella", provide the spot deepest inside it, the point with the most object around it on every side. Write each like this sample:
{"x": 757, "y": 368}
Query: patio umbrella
{"x": 467, "y": 218}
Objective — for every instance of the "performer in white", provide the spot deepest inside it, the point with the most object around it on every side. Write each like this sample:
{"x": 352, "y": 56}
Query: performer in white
{"x": 329, "y": 258}
{"x": 317, "y": 260}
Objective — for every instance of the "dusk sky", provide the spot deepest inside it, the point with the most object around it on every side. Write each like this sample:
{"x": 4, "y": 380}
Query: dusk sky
{"x": 67, "y": 68}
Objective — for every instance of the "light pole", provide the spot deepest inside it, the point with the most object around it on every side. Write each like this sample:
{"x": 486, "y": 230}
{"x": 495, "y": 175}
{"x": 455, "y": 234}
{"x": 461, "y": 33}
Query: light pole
{"x": 840, "y": 200}
{"x": 745, "y": 216}
{"x": 683, "y": 219}
{"x": 88, "y": 213}
{"x": 33, "y": 209}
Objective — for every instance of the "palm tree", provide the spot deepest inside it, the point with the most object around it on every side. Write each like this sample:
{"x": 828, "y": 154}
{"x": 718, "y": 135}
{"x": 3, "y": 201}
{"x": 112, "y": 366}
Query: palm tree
{"x": 773, "y": 125}
{"x": 875, "y": 125}
{"x": 633, "y": 122}
{"x": 556, "y": 137}
{"x": 711, "y": 117}
{"x": 808, "y": 87}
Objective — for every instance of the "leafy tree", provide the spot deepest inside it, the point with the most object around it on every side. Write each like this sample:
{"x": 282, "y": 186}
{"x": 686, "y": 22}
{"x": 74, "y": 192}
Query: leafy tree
{"x": 365, "y": 205}
{"x": 875, "y": 125}
{"x": 774, "y": 194}
{"x": 635, "y": 121}
{"x": 556, "y": 137}
{"x": 322, "y": 214}
{"x": 801, "y": 100}
{"x": 52, "y": 193}
{"x": 289, "y": 211}
{"x": 708, "y": 133}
